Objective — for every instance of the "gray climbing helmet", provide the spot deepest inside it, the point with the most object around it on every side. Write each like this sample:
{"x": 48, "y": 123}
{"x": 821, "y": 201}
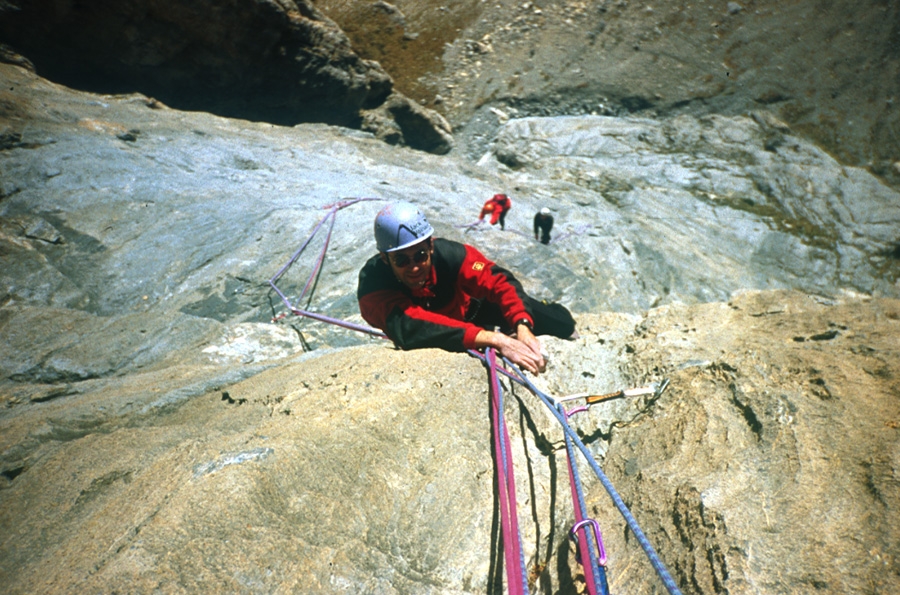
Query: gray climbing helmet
{"x": 400, "y": 225}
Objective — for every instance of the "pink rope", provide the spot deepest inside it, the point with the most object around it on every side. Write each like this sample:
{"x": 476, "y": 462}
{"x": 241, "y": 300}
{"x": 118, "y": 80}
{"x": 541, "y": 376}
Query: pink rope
{"x": 516, "y": 577}
{"x": 321, "y": 258}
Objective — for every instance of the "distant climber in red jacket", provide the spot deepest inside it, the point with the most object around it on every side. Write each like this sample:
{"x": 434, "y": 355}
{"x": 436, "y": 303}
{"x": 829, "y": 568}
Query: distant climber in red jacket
{"x": 432, "y": 292}
{"x": 497, "y": 206}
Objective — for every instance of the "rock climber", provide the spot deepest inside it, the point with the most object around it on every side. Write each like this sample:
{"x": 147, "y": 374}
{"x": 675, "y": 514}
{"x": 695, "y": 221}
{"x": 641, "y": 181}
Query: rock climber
{"x": 425, "y": 292}
{"x": 543, "y": 222}
{"x": 497, "y": 206}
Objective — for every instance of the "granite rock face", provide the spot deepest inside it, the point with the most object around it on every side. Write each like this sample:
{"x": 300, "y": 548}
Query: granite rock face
{"x": 369, "y": 470}
{"x": 779, "y": 436}
{"x": 699, "y": 188}
{"x": 163, "y": 427}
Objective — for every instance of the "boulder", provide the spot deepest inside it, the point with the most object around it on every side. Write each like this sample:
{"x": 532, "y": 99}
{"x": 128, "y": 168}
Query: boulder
{"x": 401, "y": 121}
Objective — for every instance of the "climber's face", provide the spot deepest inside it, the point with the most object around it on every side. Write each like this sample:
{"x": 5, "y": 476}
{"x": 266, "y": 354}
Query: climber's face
{"x": 412, "y": 266}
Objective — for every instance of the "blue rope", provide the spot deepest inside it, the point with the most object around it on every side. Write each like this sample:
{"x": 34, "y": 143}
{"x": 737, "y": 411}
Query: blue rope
{"x": 598, "y": 571}
{"x": 657, "y": 564}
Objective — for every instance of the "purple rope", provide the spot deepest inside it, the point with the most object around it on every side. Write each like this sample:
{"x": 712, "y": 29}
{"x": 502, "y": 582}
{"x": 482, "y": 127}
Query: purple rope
{"x": 332, "y": 214}
{"x": 517, "y": 232}
{"x": 337, "y": 321}
{"x": 472, "y": 225}
{"x": 297, "y": 254}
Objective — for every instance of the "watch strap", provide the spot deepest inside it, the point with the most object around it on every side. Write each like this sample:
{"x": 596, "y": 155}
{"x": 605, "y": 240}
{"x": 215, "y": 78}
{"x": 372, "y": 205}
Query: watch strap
{"x": 526, "y": 322}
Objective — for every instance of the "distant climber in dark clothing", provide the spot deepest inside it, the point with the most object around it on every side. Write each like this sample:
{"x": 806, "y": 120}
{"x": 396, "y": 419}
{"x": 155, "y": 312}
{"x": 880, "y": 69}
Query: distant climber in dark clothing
{"x": 497, "y": 206}
{"x": 432, "y": 292}
{"x": 543, "y": 222}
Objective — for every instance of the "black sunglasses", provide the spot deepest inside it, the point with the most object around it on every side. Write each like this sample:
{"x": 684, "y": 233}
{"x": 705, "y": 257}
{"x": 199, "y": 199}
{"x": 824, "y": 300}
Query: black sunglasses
{"x": 401, "y": 261}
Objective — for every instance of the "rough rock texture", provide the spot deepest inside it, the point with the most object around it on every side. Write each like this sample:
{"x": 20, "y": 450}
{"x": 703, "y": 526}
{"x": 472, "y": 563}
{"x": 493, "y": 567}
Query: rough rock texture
{"x": 830, "y": 69}
{"x": 827, "y": 68}
{"x": 368, "y": 470}
{"x": 777, "y": 447}
{"x": 282, "y": 62}
{"x": 310, "y": 479}
{"x": 279, "y": 61}
{"x": 159, "y": 434}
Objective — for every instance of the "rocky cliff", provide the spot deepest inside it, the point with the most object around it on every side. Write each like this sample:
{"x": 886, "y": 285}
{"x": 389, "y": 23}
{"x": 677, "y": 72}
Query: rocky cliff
{"x": 165, "y": 428}
{"x": 160, "y": 432}
{"x": 827, "y": 68}
{"x": 770, "y": 466}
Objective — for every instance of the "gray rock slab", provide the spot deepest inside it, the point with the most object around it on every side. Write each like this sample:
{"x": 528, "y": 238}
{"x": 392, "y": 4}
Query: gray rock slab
{"x": 159, "y": 433}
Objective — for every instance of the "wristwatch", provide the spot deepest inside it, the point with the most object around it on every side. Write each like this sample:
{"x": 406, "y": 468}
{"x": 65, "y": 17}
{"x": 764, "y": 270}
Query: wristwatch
{"x": 526, "y": 322}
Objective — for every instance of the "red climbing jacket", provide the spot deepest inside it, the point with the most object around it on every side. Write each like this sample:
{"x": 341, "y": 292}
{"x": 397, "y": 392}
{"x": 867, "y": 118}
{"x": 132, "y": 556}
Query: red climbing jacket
{"x": 435, "y": 315}
{"x": 497, "y": 205}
